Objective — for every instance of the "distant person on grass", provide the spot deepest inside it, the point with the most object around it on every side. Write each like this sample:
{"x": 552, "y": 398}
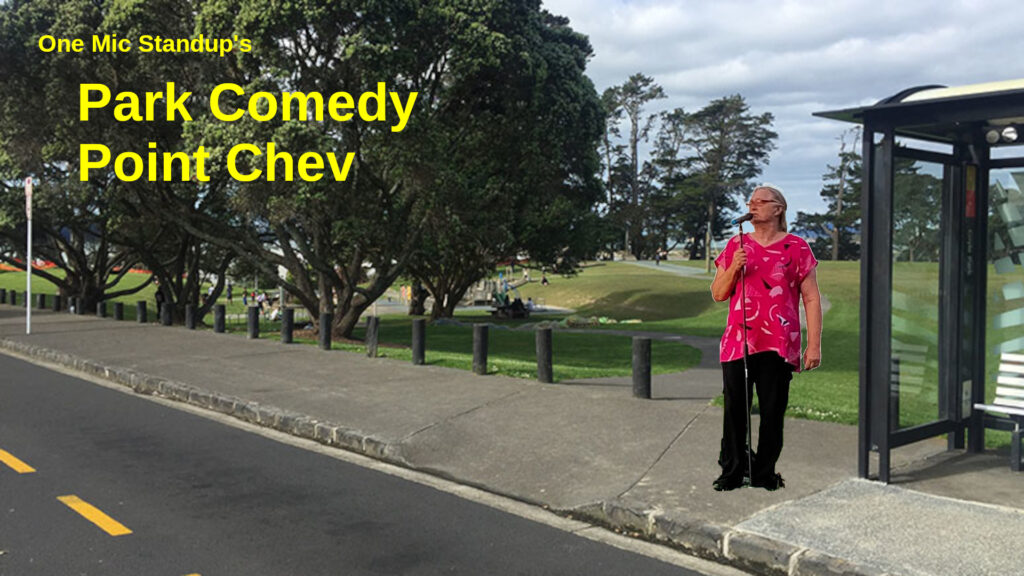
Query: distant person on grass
{"x": 780, "y": 270}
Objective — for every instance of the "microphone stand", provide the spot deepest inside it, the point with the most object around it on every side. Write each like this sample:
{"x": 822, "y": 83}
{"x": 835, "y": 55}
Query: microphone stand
{"x": 746, "y": 374}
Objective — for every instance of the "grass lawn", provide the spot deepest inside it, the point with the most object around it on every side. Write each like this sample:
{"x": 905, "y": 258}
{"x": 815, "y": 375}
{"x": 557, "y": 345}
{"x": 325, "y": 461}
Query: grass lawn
{"x": 512, "y": 352}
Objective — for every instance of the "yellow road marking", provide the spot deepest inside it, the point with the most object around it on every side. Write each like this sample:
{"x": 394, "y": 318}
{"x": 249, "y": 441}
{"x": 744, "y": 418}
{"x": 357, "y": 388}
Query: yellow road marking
{"x": 94, "y": 515}
{"x": 15, "y": 464}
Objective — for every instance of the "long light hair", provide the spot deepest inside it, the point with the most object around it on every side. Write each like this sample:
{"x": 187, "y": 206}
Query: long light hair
{"x": 778, "y": 197}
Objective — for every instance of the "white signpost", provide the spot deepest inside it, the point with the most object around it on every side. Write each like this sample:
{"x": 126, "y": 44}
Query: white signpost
{"x": 28, "y": 260}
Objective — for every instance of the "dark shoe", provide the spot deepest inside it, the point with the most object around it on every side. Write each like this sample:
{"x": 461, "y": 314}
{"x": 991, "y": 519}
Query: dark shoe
{"x": 723, "y": 484}
{"x": 771, "y": 484}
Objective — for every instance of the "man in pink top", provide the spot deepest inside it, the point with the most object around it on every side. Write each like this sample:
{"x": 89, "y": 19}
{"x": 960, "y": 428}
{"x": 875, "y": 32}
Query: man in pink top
{"x": 778, "y": 270}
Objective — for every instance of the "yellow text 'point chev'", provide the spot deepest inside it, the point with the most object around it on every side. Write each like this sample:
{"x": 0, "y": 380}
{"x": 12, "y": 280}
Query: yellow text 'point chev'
{"x": 157, "y": 166}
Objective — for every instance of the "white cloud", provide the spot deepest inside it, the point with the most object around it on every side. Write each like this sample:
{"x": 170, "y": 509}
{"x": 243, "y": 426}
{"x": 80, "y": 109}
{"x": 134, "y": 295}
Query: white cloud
{"x": 795, "y": 57}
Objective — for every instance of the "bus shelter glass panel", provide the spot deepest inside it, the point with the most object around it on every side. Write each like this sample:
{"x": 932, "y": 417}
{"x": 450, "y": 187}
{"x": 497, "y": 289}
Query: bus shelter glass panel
{"x": 1005, "y": 310}
{"x": 916, "y": 252}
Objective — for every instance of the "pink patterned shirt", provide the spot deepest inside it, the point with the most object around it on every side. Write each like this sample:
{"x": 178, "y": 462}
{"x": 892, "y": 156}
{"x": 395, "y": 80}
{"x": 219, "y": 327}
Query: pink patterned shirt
{"x": 773, "y": 277}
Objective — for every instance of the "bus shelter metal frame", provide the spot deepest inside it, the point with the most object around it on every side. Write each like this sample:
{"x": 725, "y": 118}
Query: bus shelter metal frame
{"x": 961, "y": 121}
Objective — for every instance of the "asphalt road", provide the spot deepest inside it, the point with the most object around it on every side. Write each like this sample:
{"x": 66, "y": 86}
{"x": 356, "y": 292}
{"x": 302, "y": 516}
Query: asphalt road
{"x": 126, "y": 486}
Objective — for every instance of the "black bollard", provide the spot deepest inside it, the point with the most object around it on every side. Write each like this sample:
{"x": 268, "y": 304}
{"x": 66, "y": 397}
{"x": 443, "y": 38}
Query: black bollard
{"x": 14, "y": 297}
{"x": 24, "y": 299}
{"x": 219, "y": 312}
{"x": 101, "y": 309}
{"x": 545, "y": 373}
{"x": 41, "y": 301}
{"x": 326, "y": 324}
{"x": 167, "y": 313}
{"x": 57, "y": 302}
{"x": 140, "y": 311}
{"x": 119, "y": 311}
{"x": 287, "y": 325}
{"x": 480, "y": 349}
{"x": 419, "y": 341}
{"x": 3, "y": 295}
{"x": 372, "y": 335}
{"x": 642, "y": 368}
{"x": 190, "y": 316}
{"x": 253, "y": 322}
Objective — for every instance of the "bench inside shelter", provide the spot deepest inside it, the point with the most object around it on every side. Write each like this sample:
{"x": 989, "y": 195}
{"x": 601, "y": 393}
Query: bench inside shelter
{"x": 1007, "y": 410}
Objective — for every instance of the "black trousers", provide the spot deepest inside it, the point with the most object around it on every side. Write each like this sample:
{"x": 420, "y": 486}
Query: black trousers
{"x": 770, "y": 374}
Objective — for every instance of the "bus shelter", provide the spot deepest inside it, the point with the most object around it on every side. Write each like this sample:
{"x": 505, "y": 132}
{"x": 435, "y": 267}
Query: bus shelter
{"x": 942, "y": 244}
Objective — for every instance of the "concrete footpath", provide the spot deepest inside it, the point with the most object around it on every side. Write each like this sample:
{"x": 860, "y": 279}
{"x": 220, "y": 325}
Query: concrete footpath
{"x": 586, "y": 448}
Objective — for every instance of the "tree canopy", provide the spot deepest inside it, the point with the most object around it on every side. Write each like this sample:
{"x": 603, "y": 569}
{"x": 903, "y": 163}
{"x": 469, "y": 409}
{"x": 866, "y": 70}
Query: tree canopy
{"x": 496, "y": 159}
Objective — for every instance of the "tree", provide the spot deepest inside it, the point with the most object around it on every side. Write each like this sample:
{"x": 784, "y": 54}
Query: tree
{"x": 917, "y": 197}
{"x": 150, "y": 211}
{"x": 75, "y": 221}
{"x": 668, "y": 207}
{"x": 96, "y": 230}
{"x": 406, "y": 187}
{"x": 630, "y": 99}
{"x": 612, "y": 114}
{"x": 729, "y": 147}
{"x": 836, "y": 231}
{"x": 515, "y": 177}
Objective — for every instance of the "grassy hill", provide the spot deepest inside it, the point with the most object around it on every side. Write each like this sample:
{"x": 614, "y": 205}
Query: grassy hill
{"x": 683, "y": 305}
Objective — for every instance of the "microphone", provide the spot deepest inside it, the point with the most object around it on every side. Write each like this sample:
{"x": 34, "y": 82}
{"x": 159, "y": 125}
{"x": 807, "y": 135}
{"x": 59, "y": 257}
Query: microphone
{"x": 745, "y": 218}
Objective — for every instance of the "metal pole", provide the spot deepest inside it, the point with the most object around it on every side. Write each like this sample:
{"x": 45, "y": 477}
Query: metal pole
{"x": 28, "y": 261}
{"x": 746, "y": 374}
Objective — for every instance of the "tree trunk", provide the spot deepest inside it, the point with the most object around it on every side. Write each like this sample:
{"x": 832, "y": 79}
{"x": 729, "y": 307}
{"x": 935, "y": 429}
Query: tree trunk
{"x": 418, "y": 301}
{"x": 707, "y": 237}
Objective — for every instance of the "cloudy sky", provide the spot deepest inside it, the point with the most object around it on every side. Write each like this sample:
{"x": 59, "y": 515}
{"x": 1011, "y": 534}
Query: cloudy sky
{"x": 792, "y": 58}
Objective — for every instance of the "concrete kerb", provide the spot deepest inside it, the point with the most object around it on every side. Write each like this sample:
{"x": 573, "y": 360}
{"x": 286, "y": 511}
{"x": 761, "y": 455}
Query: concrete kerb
{"x": 708, "y": 540}
{"x": 717, "y": 542}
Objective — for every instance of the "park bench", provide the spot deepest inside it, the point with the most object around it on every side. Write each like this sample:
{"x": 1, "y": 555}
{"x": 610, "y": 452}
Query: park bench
{"x": 1009, "y": 402}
